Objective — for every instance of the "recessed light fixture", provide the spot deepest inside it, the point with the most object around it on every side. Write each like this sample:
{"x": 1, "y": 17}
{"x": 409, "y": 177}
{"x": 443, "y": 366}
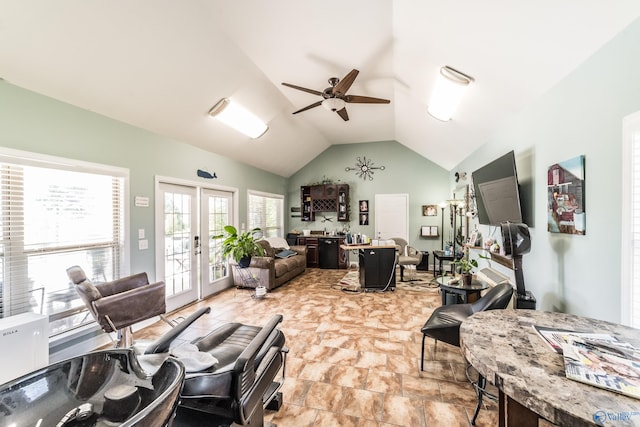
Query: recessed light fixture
{"x": 448, "y": 92}
{"x": 239, "y": 118}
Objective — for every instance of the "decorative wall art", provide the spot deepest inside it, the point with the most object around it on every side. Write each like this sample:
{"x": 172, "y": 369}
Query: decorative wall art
{"x": 565, "y": 197}
{"x": 364, "y": 168}
{"x": 430, "y": 210}
{"x": 429, "y": 231}
{"x": 364, "y": 212}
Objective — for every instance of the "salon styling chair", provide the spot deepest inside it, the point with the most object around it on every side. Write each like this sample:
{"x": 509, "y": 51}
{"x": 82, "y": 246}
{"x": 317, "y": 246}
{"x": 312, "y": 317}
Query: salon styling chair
{"x": 444, "y": 325}
{"x": 407, "y": 256}
{"x": 241, "y": 383}
{"x": 118, "y": 304}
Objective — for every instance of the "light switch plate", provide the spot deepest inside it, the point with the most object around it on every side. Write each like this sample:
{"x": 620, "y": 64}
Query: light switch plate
{"x": 141, "y": 233}
{"x": 143, "y": 244}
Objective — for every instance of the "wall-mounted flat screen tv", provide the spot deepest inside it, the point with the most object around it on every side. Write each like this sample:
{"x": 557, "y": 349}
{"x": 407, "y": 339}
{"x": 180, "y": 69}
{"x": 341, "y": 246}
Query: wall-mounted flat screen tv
{"x": 496, "y": 190}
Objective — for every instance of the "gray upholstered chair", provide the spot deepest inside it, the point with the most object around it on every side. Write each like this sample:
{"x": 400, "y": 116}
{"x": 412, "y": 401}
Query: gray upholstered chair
{"x": 118, "y": 304}
{"x": 407, "y": 255}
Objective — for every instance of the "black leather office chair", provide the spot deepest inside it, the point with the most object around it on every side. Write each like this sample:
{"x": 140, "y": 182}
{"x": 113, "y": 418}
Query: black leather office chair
{"x": 444, "y": 325}
{"x": 444, "y": 322}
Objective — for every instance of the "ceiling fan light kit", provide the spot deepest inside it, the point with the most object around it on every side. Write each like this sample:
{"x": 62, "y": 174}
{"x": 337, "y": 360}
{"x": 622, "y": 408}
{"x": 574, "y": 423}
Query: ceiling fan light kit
{"x": 333, "y": 104}
{"x": 239, "y": 118}
{"x": 448, "y": 93}
{"x": 335, "y": 96}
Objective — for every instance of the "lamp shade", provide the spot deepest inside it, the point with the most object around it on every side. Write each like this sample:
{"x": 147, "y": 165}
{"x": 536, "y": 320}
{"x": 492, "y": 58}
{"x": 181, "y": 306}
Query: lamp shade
{"x": 448, "y": 92}
{"x": 239, "y": 118}
{"x": 333, "y": 104}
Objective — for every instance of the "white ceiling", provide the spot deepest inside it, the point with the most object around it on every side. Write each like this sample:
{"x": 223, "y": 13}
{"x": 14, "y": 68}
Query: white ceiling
{"x": 162, "y": 64}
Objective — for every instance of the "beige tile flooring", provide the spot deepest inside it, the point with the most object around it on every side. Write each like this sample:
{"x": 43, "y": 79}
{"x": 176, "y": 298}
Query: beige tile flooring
{"x": 354, "y": 358}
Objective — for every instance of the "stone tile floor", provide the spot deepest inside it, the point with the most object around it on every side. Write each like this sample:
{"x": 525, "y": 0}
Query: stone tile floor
{"x": 354, "y": 358}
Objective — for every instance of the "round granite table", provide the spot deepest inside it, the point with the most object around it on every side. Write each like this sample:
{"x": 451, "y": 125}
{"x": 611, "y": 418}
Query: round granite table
{"x": 503, "y": 346}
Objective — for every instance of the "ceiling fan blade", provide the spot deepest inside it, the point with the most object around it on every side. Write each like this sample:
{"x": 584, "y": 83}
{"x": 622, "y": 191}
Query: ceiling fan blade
{"x": 357, "y": 99}
{"x": 308, "y": 107}
{"x": 343, "y": 113}
{"x": 343, "y": 85}
{"x": 304, "y": 89}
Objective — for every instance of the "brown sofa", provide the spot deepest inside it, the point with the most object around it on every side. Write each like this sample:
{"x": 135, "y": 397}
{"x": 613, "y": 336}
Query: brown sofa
{"x": 271, "y": 271}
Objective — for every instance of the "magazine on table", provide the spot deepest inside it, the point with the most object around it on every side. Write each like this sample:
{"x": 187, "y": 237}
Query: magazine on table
{"x": 611, "y": 365}
{"x": 555, "y": 337}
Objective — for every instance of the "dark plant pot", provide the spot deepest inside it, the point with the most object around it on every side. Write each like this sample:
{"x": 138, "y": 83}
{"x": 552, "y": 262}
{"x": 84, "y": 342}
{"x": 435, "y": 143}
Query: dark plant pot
{"x": 244, "y": 262}
{"x": 466, "y": 279}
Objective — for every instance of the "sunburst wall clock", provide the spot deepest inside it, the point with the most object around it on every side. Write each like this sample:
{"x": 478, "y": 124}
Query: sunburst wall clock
{"x": 364, "y": 168}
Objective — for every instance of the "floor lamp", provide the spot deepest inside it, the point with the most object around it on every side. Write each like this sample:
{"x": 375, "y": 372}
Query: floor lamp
{"x": 442, "y": 206}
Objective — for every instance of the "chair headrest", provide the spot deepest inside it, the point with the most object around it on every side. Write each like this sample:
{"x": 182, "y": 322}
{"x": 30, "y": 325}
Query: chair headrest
{"x": 496, "y": 298}
{"x": 76, "y": 274}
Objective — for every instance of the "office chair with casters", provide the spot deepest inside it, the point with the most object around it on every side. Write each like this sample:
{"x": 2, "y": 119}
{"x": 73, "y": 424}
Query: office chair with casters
{"x": 118, "y": 304}
{"x": 407, "y": 255}
{"x": 444, "y": 325}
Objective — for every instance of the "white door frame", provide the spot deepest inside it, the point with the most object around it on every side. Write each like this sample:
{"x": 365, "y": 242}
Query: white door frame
{"x": 201, "y": 289}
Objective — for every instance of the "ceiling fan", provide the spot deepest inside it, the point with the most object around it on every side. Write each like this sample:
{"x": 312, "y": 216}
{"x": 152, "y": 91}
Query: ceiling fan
{"x": 335, "y": 96}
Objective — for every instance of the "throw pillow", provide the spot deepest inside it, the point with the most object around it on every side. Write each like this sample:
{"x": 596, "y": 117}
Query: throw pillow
{"x": 277, "y": 242}
{"x": 286, "y": 253}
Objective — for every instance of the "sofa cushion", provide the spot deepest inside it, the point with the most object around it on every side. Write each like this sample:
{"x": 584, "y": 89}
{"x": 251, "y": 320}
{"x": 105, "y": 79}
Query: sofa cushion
{"x": 283, "y": 266}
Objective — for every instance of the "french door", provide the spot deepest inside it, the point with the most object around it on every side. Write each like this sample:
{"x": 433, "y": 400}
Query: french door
{"x": 216, "y": 209}
{"x": 189, "y": 260}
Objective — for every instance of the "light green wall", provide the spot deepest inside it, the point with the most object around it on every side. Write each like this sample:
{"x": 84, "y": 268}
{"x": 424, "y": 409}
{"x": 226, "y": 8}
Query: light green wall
{"x": 405, "y": 172}
{"x": 581, "y": 115}
{"x": 32, "y": 122}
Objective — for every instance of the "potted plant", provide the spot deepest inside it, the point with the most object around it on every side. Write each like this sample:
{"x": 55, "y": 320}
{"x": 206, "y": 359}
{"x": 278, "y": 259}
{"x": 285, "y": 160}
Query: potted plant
{"x": 241, "y": 246}
{"x": 465, "y": 265}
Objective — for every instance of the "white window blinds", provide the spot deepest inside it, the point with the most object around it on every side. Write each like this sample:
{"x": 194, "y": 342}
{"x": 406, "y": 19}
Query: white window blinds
{"x": 630, "y": 277}
{"x": 266, "y": 212}
{"x": 55, "y": 215}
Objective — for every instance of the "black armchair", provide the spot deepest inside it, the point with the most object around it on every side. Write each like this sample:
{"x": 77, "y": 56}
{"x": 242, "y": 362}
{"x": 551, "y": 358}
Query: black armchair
{"x": 444, "y": 323}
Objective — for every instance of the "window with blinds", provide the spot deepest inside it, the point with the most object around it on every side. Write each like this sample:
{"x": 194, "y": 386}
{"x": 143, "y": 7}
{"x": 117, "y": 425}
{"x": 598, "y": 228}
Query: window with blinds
{"x": 55, "y": 215}
{"x": 266, "y": 212}
{"x": 630, "y": 294}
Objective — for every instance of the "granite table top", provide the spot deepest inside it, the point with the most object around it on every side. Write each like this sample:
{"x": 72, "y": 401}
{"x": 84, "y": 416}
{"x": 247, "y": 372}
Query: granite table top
{"x": 503, "y": 346}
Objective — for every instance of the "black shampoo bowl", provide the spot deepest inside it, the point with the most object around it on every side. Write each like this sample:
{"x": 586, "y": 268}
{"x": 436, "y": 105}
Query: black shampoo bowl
{"x": 103, "y": 388}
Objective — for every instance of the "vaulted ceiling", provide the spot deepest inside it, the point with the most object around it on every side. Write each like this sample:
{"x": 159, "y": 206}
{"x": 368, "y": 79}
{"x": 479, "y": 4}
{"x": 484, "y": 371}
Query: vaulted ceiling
{"x": 161, "y": 65}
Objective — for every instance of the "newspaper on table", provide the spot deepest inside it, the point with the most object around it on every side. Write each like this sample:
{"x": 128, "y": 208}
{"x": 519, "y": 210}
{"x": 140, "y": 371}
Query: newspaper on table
{"x": 608, "y": 364}
{"x": 555, "y": 337}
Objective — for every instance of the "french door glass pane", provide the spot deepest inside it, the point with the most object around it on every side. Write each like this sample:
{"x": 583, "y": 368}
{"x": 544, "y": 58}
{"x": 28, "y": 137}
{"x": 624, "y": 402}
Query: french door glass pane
{"x": 177, "y": 235}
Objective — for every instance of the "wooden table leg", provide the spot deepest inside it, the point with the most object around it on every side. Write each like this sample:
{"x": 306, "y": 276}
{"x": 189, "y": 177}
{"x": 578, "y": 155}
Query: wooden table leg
{"x": 513, "y": 414}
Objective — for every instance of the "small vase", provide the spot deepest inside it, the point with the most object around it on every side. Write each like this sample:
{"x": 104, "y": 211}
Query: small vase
{"x": 466, "y": 279}
{"x": 244, "y": 262}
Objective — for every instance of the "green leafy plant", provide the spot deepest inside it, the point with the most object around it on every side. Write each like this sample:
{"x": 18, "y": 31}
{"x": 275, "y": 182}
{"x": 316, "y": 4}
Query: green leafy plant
{"x": 465, "y": 264}
{"x": 240, "y": 245}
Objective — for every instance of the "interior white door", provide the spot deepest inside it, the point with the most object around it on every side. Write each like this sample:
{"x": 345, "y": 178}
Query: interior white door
{"x": 178, "y": 240}
{"x": 216, "y": 211}
{"x": 391, "y": 216}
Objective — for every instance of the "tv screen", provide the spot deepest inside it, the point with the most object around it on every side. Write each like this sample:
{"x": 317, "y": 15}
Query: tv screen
{"x": 496, "y": 190}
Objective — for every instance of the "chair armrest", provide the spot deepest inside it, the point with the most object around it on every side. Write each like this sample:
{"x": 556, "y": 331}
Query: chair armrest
{"x": 411, "y": 251}
{"x": 129, "y": 307}
{"x": 301, "y": 250}
{"x": 262, "y": 262}
{"x": 249, "y": 378}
